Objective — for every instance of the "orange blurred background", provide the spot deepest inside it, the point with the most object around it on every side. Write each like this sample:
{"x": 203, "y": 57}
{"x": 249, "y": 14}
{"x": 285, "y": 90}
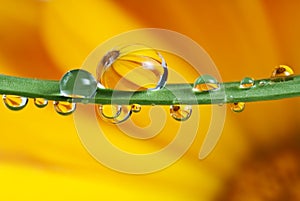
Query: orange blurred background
{"x": 257, "y": 158}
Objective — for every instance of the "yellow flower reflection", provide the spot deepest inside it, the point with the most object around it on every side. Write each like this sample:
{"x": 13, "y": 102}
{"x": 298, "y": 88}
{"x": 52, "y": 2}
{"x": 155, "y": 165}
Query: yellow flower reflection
{"x": 41, "y": 156}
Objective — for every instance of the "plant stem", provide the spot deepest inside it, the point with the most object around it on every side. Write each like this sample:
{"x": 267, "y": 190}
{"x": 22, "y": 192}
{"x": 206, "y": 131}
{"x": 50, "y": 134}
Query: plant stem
{"x": 170, "y": 94}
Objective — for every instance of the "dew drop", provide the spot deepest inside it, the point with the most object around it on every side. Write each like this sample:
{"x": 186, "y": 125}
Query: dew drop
{"x": 246, "y": 83}
{"x": 64, "y": 108}
{"x": 114, "y": 114}
{"x": 14, "y": 102}
{"x": 136, "y": 108}
{"x": 109, "y": 111}
{"x": 237, "y": 107}
{"x": 133, "y": 68}
{"x": 282, "y": 73}
{"x": 78, "y": 83}
{"x": 205, "y": 83}
{"x": 263, "y": 83}
{"x": 181, "y": 112}
{"x": 40, "y": 102}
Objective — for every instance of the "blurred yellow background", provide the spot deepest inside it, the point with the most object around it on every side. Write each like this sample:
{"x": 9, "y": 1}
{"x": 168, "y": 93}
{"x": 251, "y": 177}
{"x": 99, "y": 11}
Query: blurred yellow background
{"x": 257, "y": 158}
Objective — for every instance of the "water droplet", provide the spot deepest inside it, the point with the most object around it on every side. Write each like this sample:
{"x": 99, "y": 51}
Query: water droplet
{"x": 282, "y": 73}
{"x": 78, "y": 83}
{"x": 263, "y": 83}
{"x": 64, "y": 108}
{"x": 136, "y": 108}
{"x": 14, "y": 102}
{"x": 246, "y": 83}
{"x": 40, "y": 102}
{"x": 109, "y": 111}
{"x": 237, "y": 107}
{"x": 181, "y": 112}
{"x": 206, "y": 83}
{"x": 113, "y": 113}
{"x": 133, "y": 68}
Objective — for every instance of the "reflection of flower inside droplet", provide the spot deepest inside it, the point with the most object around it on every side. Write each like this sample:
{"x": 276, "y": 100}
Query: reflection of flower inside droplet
{"x": 180, "y": 112}
{"x": 246, "y": 83}
{"x": 14, "y": 102}
{"x": 237, "y": 107}
{"x": 40, "y": 102}
{"x": 282, "y": 73}
{"x": 205, "y": 83}
{"x": 136, "y": 108}
{"x": 133, "y": 68}
{"x": 64, "y": 108}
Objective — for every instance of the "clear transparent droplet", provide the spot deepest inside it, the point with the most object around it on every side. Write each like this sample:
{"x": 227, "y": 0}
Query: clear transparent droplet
{"x": 114, "y": 114}
{"x": 282, "y": 73}
{"x": 133, "y": 68}
{"x": 109, "y": 111}
{"x": 237, "y": 107}
{"x": 181, "y": 112}
{"x": 205, "y": 83}
{"x": 14, "y": 102}
{"x": 136, "y": 108}
{"x": 262, "y": 83}
{"x": 40, "y": 102}
{"x": 78, "y": 83}
{"x": 247, "y": 83}
{"x": 64, "y": 108}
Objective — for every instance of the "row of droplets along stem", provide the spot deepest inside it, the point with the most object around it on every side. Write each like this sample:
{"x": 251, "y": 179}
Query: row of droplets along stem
{"x": 110, "y": 113}
{"x": 17, "y": 103}
{"x": 132, "y": 68}
{"x": 280, "y": 73}
{"x": 119, "y": 113}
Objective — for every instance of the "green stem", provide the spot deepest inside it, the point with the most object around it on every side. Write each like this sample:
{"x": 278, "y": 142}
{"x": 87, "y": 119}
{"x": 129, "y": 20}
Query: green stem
{"x": 171, "y": 94}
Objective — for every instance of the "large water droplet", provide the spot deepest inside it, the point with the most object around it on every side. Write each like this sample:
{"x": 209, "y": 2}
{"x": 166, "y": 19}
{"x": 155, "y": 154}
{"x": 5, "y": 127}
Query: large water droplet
{"x": 246, "y": 83}
{"x": 133, "y": 68}
{"x": 136, "y": 108}
{"x": 206, "y": 83}
{"x": 78, "y": 83}
{"x": 40, "y": 102}
{"x": 237, "y": 107}
{"x": 14, "y": 102}
{"x": 113, "y": 113}
{"x": 64, "y": 108}
{"x": 282, "y": 73}
{"x": 180, "y": 112}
